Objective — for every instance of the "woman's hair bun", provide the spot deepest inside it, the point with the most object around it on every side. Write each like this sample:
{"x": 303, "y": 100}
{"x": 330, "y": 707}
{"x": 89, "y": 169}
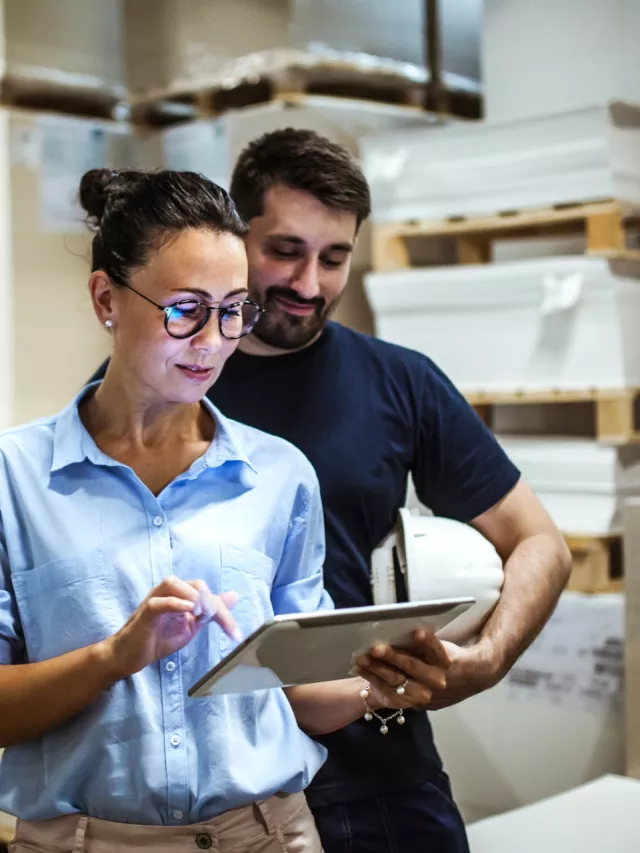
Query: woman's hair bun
{"x": 94, "y": 191}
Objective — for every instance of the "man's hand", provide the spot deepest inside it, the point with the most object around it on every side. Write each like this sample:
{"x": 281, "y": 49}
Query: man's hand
{"x": 473, "y": 669}
{"x": 419, "y": 672}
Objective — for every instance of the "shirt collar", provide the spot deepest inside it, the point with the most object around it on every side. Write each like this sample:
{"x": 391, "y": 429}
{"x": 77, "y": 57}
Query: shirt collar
{"x": 72, "y": 443}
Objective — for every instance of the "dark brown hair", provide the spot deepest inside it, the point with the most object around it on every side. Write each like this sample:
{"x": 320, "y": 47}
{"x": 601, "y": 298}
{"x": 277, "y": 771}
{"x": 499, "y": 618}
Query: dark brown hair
{"x": 302, "y": 160}
{"x": 134, "y": 212}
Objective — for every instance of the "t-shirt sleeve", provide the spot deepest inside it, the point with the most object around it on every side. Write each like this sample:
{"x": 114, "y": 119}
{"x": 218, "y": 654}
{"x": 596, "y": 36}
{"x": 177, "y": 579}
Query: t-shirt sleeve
{"x": 299, "y": 583}
{"x": 11, "y": 638}
{"x": 459, "y": 470}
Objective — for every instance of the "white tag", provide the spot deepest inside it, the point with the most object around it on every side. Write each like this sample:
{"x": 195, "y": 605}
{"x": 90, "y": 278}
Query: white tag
{"x": 560, "y": 293}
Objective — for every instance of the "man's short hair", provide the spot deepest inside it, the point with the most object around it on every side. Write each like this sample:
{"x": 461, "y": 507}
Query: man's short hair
{"x": 301, "y": 160}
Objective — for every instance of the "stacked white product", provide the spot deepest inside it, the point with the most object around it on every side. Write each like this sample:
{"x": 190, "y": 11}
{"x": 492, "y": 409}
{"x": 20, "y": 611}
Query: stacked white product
{"x": 212, "y": 146}
{"x": 172, "y": 44}
{"x": 375, "y": 30}
{"x": 544, "y": 55}
{"x": 552, "y": 323}
{"x": 555, "y": 722}
{"x": 582, "y": 484}
{"x": 481, "y": 168}
{"x": 63, "y": 45}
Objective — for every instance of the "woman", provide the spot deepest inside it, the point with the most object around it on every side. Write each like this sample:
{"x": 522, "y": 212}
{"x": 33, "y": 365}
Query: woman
{"x": 141, "y": 535}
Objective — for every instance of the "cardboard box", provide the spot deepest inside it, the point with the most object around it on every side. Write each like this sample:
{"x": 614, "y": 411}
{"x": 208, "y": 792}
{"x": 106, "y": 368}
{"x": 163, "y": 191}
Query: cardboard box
{"x": 555, "y": 722}
{"x": 518, "y": 326}
{"x": 64, "y": 42}
{"x": 174, "y": 43}
{"x": 171, "y": 44}
{"x": 54, "y": 341}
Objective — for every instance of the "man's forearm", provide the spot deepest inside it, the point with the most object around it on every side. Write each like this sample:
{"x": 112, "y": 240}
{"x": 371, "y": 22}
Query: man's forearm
{"x": 535, "y": 575}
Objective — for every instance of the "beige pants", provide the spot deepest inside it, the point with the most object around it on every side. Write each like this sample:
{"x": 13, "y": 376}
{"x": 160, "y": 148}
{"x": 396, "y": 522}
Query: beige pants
{"x": 281, "y": 824}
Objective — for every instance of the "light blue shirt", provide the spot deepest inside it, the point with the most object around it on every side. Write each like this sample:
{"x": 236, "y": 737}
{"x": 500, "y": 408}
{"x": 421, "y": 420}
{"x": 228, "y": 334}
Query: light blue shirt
{"x": 82, "y": 541}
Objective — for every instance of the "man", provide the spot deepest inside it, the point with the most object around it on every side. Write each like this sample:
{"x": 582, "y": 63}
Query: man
{"x": 368, "y": 414}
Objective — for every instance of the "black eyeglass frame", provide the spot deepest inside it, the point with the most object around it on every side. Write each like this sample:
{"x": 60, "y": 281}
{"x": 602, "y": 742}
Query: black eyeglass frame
{"x": 209, "y": 309}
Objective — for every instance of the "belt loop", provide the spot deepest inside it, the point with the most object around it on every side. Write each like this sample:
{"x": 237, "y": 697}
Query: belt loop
{"x": 265, "y": 813}
{"x": 78, "y": 846}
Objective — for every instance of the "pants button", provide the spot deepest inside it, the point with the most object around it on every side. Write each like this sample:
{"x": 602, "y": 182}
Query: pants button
{"x": 204, "y": 841}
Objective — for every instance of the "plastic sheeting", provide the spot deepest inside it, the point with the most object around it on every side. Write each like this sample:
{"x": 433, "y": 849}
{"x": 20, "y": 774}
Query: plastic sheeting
{"x": 482, "y": 168}
{"x": 557, "y": 323}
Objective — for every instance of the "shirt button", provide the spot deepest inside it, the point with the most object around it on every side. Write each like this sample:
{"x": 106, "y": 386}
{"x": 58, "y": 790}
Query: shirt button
{"x": 170, "y": 667}
{"x": 178, "y": 815}
{"x": 204, "y": 841}
{"x": 175, "y": 740}
{"x": 158, "y": 521}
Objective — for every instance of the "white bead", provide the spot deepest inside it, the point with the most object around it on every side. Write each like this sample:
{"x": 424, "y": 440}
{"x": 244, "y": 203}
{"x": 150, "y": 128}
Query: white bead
{"x": 368, "y": 716}
{"x": 400, "y": 690}
{"x": 384, "y": 728}
{"x": 364, "y": 693}
{"x": 401, "y": 720}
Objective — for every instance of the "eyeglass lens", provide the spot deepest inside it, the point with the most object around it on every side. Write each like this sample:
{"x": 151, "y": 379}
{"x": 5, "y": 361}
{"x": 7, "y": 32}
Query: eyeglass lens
{"x": 236, "y": 320}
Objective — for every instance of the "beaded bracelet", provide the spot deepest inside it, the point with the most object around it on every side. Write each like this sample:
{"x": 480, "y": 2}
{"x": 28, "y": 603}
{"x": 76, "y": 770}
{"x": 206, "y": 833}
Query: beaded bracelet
{"x": 369, "y": 713}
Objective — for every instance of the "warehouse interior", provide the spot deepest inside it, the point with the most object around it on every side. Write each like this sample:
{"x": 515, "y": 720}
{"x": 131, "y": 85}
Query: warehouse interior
{"x": 501, "y": 143}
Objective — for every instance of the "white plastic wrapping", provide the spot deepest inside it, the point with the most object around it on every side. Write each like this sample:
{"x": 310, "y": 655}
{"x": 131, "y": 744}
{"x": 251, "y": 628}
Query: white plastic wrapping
{"x": 490, "y": 328}
{"x": 582, "y": 484}
{"x": 377, "y": 33}
{"x": 174, "y": 44}
{"x": 483, "y": 168}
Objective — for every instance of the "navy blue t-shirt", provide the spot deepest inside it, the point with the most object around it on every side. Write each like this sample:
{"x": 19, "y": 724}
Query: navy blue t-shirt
{"x": 366, "y": 414}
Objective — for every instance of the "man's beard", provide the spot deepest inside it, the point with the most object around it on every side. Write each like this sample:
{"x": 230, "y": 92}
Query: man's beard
{"x": 287, "y": 331}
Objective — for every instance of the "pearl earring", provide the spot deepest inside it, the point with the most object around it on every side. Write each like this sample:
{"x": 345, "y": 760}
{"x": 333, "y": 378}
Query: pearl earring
{"x": 108, "y": 324}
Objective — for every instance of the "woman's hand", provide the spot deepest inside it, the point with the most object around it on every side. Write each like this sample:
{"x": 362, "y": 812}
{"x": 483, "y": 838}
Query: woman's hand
{"x": 169, "y": 618}
{"x": 420, "y": 672}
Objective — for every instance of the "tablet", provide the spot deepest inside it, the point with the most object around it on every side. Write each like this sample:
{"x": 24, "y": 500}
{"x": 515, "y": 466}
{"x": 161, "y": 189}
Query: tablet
{"x": 307, "y": 648}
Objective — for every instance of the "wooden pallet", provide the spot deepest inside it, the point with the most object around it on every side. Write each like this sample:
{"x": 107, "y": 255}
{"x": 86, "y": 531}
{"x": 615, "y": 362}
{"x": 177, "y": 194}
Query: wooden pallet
{"x": 606, "y": 225}
{"x": 597, "y": 564}
{"x": 53, "y": 97}
{"x": 341, "y": 80}
{"x": 616, "y": 411}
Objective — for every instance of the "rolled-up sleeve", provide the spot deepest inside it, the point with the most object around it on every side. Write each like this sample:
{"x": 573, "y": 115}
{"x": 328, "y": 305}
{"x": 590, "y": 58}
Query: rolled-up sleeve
{"x": 299, "y": 583}
{"x": 11, "y": 638}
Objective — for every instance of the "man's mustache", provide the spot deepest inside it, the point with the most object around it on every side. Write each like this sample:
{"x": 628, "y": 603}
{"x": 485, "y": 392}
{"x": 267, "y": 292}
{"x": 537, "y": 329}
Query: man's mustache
{"x": 290, "y": 296}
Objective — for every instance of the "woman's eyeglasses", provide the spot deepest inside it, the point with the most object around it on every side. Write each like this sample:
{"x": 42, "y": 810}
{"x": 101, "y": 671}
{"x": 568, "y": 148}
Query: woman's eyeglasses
{"x": 185, "y": 318}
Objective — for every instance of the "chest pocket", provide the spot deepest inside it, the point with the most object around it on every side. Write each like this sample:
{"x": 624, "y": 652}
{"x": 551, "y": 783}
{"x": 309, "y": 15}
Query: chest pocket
{"x": 65, "y": 605}
{"x": 250, "y": 574}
